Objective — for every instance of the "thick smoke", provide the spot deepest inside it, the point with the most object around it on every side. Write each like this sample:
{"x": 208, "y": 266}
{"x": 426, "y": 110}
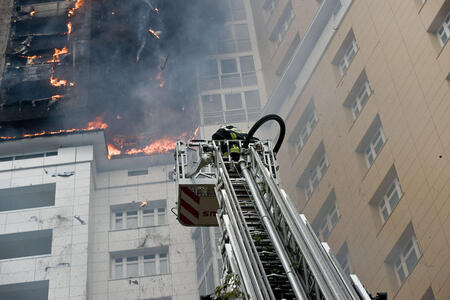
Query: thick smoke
{"x": 143, "y": 83}
{"x": 134, "y": 66}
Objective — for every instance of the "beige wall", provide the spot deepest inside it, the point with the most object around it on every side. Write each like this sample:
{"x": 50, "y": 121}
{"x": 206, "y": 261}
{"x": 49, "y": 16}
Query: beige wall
{"x": 271, "y": 56}
{"x": 407, "y": 70}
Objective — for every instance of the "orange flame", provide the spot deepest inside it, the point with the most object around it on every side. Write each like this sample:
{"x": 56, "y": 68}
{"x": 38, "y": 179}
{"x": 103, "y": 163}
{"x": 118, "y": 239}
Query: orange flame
{"x": 156, "y": 10}
{"x": 33, "y": 12}
{"x": 155, "y": 34}
{"x": 57, "y": 82}
{"x": 57, "y": 53}
{"x": 78, "y": 4}
{"x": 56, "y": 97}
{"x": 113, "y": 151}
{"x": 69, "y": 28}
{"x": 94, "y": 125}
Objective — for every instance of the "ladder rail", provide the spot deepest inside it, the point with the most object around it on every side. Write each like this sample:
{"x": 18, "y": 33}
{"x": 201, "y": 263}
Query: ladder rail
{"x": 330, "y": 283}
{"x": 252, "y": 261}
{"x": 281, "y": 251}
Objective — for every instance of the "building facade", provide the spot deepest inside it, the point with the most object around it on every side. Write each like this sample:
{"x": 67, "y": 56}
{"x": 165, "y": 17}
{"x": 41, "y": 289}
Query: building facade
{"x": 75, "y": 225}
{"x": 231, "y": 90}
{"x": 364, "y": 89}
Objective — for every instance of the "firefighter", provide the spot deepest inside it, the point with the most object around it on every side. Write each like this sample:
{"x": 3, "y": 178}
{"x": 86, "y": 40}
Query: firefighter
{"x": 230, "y": 132}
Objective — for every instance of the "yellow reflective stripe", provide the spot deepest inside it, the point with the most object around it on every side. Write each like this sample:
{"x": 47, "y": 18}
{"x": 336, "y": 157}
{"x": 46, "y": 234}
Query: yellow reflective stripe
{"x": 234, "y": 148}
{"x": 233, "y": 135}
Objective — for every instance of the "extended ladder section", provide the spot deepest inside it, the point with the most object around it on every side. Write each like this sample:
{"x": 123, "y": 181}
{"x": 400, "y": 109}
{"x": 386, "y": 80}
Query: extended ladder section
{"x": 264, "y": 240}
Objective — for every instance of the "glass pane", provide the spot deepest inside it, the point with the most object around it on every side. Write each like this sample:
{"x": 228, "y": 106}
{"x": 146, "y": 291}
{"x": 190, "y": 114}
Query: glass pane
{"x": 209, "y": 68}
{"x": 149, "y": 219}
{"x": 163, "y": 265}
{"x": 233, "y": 101}
{"x": 132, "y": 267}
{"x": 411, "y": 261}
{"x": 247, "y": 64}
{"x": 149, "y": 265}
{"x": 252, "y": 99}
{"x": 228, "y": 66}
{"x": 161, "y": 216}
{"x": 241, "y": 32}
{"x": 232, "y": 80}
{"x": 212, "y": 103}
{"x": 118, "y": 221}
{"x": 401, "y": 274}
{"x": 394, "y": 200}
{"x": 118, "y": 269}
{"x": 132, "y": 219}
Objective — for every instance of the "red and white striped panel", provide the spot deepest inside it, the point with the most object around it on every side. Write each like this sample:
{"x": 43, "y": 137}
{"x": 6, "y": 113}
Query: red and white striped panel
{"x": 189, "y": 204}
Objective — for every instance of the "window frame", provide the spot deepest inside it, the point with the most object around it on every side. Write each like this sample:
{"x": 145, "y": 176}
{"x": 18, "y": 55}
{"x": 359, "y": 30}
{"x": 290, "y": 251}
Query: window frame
{"x": 123, "y": 216}
{"x": 308, "y": 128}
{"x": 317, "y": 173}
{"x": 400, "y": 262}
{"x": 122, "y": 263}
{"x": 370, "y": 150}
{"x": 345, "y": 61}
{"x": 445, "y": 27}
{"x": 282, "y": 26}
{"x": 385, "y": 201}
{"x": 328, "y": 223}
{"x": 360, "y": 101}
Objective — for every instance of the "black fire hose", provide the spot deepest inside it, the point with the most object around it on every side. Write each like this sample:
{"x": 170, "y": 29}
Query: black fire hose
{"x": 259, "y": 123}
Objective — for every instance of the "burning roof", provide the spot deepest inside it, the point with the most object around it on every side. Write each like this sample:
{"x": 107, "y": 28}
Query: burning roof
{"x": 107, "y": 59}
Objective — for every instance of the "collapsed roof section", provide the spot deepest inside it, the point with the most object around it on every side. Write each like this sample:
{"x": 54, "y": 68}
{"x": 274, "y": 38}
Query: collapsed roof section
{"x": 46, "y": 60}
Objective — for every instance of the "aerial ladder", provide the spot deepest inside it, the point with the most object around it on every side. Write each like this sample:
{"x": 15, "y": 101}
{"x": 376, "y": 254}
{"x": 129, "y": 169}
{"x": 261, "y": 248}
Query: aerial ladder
{"x": 270, "y": 247}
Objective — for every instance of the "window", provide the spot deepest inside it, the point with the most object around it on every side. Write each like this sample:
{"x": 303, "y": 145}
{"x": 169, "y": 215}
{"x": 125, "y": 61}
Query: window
{"x": 154, "y": 263}
{"x": 269, "y": 6}
{"x": 404, "y": 255}
{"x": 343, "y": 259}
{"x": 443, "y": 33}
{"x": 132, "y": 219}
{"x": 429, "y": 295}
{"x": 36, "y": 290}
{"x": 358, "y": 95}
{"x": 209, "y": 68}
{"x": 314, "y": 171}
{"x": 407, "y": 259}
{"x": 228, "y": 66}
{"x": 327, "y": 217}
{"x": 306, "y": 131}
{"x": 328, "y": 222}
{"x": 149, "y": 265}
{"x": 152, "y": 214}
{"x": 346, "y": 53}
{"x": 132, "y": 266}
{"x": 304, "y": 127}
{"x": 235, "y": 9}
{"x": 29, "y": 156}
{"x": 138, "y": 172}
{"x": 234, "y": 38}
{"x": 23, "y": 244}
{"x": 361, "y": 99}
{"x": 280, "y": 30}
{"x": 288, "y": 56}
{"x": 390, "y": 200}
{"x": 375, "y": 146}
{"x": 34, "y": 196}
{"x": 348, "y": 56}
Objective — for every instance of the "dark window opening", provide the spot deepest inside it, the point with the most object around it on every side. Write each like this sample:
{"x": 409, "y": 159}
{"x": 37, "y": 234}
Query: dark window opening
{"x": 49, "y": 25}
{"x": 25, "y": 244}
{"x": 27, "y": 197}
{"x": 137, "y": 173}
{"x": 28, "y": 156}
{"x": 36, "y": 290}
